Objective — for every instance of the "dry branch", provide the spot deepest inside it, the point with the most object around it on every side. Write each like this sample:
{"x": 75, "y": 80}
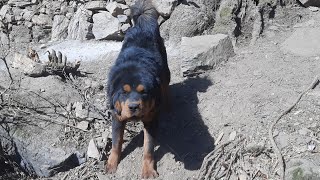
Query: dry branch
{"x": 273, "y": 143}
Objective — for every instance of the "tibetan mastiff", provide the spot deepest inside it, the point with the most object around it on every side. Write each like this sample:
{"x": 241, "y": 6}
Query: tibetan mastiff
{"x": 138, "y": 84}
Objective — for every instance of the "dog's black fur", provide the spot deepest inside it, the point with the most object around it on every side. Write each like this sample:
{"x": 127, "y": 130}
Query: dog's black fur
{"x": 142, "y": 61}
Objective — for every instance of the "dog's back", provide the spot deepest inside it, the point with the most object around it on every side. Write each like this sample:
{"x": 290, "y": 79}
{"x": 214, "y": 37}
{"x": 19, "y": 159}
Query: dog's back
{"x": 143, "y": 46}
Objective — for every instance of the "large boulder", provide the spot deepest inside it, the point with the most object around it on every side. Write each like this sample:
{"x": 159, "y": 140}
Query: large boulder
{"x": 59, "y": 27}
{"x": 308, "y": 3}
{"x": 204, "y": 52}
{"x": 303, "y": 42}
{"x": 185, "y": 21}
{"x": 80, "y": 27}
{"x": 104, "y": 25}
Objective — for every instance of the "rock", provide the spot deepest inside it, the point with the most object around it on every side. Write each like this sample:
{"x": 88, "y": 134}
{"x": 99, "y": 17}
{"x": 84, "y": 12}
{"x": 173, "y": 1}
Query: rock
{"x": 313, "y": 9}
{"x": 308, "y": 3}
{"x": 232, "y": 136}
{"x": 27, "y": 15}
{"x": 83, "y": 125}
{"x": 40, "y": 34}
{"x": 4, "y": 42}
{"x": 124, "y": 28}
{"x": 204, "y": 52}
{"x": 3, "y": 11}
{"x": 79, "y": 27}
{"x": 93, "y": 151}
{"x": 304, "y": 131}
{"x": 27, "y": 65}
{"x": 20, "y": 34}
{"x": 303, "y": 42}
{"x": 116, "y": 9}
{"x": 39, "y": 157}
{"x": 80, "y": 110}
{"x": 302, "y": 169}
{"x": 165, "y": 7}
{"x": 104, "y": 25}
{"x": 42, "y": 20}
{"x": 101, "y": 176}
{"x": 96, "y": 5}
{"x": 59, "y": 28}
{"x": 185, "y": 21}
{"x": 20, "y": 3}
{"x": 123, "y": 19}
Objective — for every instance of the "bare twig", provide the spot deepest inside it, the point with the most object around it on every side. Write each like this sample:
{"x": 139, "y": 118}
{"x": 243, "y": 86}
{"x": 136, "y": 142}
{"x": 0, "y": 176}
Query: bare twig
{"x": 273, "y": 143}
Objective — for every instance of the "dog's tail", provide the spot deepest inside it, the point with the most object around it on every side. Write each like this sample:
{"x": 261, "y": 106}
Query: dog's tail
{"x": 144, "y": 15}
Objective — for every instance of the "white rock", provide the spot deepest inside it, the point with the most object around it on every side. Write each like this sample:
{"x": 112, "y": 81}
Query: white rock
{"x": 79, "y": 27}
{"x": 27, "y": 65}
{"x": 232, "y": 135}
{"x": 83, "y": 125}
{"x": 104, "y": 24}
{"x": 42, "y": 19}
{"x": 308, "y": 3}
{"x": 165, "y": 7}
{"x": 313, "y": 9}
{"x": 59, "y": 28}
{"x": 80, "y": 111}
{"x": 93, "y": 151}
{"x": 303, "y": 42}
{"x": 116, "y": 9}
{"x": 204, "y": 52}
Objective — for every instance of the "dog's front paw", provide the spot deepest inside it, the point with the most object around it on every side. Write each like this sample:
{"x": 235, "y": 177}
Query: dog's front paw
{"x": 112, "y": 164}
{"x": 149, "y": 172}
{"x": 111, "y": 168}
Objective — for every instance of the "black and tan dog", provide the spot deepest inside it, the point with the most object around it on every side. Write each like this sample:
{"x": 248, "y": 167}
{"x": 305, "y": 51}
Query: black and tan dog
{"x": 138, "y": 83}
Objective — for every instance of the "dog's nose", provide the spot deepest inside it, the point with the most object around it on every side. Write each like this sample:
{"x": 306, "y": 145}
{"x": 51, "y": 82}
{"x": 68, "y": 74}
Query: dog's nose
{"x": 133, "y": 107}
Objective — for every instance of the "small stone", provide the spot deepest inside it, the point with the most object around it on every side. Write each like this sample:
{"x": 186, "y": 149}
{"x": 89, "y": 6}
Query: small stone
{"x": 303, "y": 131}
{"x": 79, "y": 110}
{"x": 232, "y": 135}
{"x": 83, "y": 125}
{"x": 123, "y": 18}
{"x": 93, "y": 151}
{"x": 313, "y": 9}
{"x": 125, "y": 27}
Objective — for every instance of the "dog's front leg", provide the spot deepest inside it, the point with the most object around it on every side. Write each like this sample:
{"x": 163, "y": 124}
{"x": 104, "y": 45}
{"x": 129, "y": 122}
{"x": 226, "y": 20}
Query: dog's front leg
{"x": 117, "y": 140}
{"x": 148, "y": 166}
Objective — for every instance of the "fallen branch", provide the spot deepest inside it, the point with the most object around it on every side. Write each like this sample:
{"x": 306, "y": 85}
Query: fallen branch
{"x": 273, "y": 143}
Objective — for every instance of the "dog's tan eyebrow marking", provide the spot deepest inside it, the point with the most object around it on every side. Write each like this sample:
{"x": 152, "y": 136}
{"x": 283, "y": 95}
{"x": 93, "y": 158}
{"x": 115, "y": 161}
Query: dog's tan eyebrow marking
{"x": 127, "y": 88}
{"x": 140, "y": 88}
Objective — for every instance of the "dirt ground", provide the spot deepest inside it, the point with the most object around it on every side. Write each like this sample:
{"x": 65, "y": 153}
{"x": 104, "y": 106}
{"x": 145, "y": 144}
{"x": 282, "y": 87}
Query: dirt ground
{"x": 243, "y": 95}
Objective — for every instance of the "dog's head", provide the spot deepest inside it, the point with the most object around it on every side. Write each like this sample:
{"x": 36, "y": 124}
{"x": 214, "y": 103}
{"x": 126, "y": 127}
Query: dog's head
{"x": 134, "y": 96}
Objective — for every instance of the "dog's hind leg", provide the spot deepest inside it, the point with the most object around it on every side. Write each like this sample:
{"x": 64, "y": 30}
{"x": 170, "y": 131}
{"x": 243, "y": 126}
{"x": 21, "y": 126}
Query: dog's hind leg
{"x": 117, "y": 140}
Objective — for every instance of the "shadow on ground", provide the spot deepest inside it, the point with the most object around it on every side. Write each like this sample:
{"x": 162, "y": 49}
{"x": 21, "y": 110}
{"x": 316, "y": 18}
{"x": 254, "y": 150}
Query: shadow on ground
{"x": 182, "y": 132}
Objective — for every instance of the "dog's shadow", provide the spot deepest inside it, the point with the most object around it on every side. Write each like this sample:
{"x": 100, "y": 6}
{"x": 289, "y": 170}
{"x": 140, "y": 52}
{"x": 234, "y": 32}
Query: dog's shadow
{"x": 181, "y": 132}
